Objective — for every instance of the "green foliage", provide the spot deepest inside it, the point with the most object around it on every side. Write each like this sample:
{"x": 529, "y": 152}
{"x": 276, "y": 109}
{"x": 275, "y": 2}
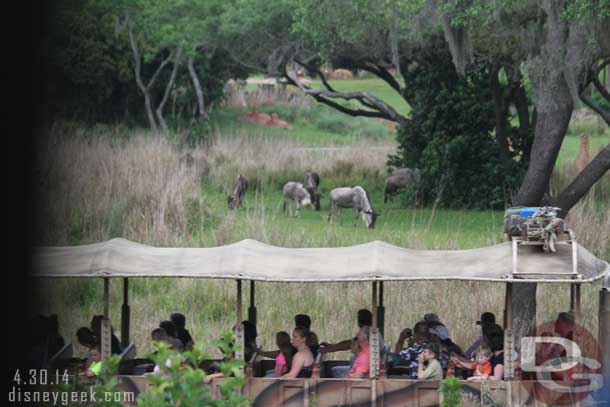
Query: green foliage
{"x": 87, "y": 71}
{"x": 452, "y": 392}
{"x": 450, "y": 137}
{"x": 180, "y": 382}
{"x": 102, "y": 386}
{"x": 584, "y": 10}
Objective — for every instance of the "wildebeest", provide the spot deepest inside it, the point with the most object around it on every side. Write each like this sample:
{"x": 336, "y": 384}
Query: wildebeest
{"x": 237, "y": 193}
{"x": 295, "y": 191}
{"x": 311, "y": 182}
{"x": 355, "y": 197}
{"x": 400, "y": 179}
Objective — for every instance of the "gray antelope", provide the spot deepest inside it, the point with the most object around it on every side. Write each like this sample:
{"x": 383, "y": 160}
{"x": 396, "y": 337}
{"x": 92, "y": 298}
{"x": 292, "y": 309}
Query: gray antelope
{"x": 400, "y": 179}
{"x": 295, "y": 191}
{"x": 355, "y": 197}
{"x": 311, "y": 183}
{"x": 237, "y": 193}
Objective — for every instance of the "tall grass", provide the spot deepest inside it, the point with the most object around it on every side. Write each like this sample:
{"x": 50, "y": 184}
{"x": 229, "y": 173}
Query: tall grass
{"x": 140, "y": 187}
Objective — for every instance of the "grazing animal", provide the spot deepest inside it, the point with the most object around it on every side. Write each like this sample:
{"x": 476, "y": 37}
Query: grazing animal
{"x": 356, "y": 198}
{"x": 295, "y": 191}
{"x": 341, "y": 74}
{"x": 311, "y": 182}
{"x": 400, "y": 179}
{"x": 237, "y": 194}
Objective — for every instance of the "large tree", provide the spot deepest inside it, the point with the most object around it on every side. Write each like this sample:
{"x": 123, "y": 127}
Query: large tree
{"x": 558, "y": 48}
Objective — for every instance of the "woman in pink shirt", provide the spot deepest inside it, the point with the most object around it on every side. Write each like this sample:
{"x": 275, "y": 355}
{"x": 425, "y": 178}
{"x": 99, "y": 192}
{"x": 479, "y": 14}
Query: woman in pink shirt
{"x": 361, "y": 366}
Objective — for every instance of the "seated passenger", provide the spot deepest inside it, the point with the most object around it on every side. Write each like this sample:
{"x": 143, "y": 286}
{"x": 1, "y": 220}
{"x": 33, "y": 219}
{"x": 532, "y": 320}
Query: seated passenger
{"x": 86, "y": 338}
{"x": 302, "y": 361}
{"x": 341, "y": 371}
{"x": 487, "y": 318}
{"x": 170, "y": 330}
{"x": 96, "y": 327}
{"x": 182, "y": 333}
{"x": 283, "y": 362}
{"x": 95, "y": 367}
{"x": 482, "y": 366}
{"x": 409, "y": 355}
{"x": 436, "y": 326}
{"x": 304, "y": 321}
{"x": 428, "y": 367}
{"x": 250, "y": 335}
{"x": 360, "y": 370}
{"x": 55, "y": 340}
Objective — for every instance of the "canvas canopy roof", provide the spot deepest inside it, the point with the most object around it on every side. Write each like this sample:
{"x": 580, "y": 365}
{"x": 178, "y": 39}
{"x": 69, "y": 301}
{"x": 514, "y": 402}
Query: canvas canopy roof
{"x": 253, "y": 260}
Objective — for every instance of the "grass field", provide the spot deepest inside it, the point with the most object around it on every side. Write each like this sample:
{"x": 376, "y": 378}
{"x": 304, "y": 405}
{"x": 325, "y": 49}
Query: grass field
{"x": 113, "y": 182}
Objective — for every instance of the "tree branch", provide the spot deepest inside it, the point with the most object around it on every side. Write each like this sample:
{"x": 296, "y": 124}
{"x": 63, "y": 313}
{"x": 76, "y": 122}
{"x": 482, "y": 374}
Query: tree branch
{"x": 601, "y": 88}
{"x": 382, "y": 73}
{"x": 585, "y": 180}
{"x": 382, "y": 110}
{"x": 605, "y": 114}
{"x": 159, "y": 69}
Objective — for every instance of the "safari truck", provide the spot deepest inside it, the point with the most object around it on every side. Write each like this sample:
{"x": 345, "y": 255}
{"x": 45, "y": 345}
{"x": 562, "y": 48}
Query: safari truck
{"x": 377, "y": 263}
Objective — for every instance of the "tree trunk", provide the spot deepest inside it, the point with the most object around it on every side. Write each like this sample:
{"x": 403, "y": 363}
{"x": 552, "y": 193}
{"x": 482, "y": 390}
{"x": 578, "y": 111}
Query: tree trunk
{"x": 501, "y": 110}
{"x": 144, "y": 89}
{"x": 551, "y": 127}
{"x": 202, "y": 114}
{"x": 584, "y": 181}
{"x": 168, "y": 89}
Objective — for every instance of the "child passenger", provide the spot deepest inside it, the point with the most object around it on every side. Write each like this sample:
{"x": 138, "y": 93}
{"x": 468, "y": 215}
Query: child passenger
{"x": 482, "y": 366}
{"x": 284, "y": 359}
{"x": 433, "y": 369}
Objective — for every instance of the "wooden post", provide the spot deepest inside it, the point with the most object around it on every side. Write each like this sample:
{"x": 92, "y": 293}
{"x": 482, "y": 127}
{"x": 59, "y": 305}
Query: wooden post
{"x": 239, "y": 327}
{"x": 604, "y": 330}
{"x": 509, "y": 346}
{"x": 252, "y": 308}
{"x": 125, "y": 314}
{"x": 374, "y": 348}
{"x": 381, "y": 311}
{"x": 106, "y": 340}
{"x": 576, "y": 301}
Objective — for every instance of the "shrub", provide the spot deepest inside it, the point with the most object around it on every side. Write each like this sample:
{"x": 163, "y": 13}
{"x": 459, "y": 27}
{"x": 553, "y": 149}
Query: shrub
{"x": 449, "y": 137}
{"x": 180, "y": 382}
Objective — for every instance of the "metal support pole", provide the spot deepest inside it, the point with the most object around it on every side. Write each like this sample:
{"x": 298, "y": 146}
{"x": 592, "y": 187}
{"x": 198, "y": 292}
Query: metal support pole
{"x": 381, "y": 311}
{"x": 576, "y": 308}
{"x": 252, "y": 308}
{"x": 125, "y": 321}
{"x": 106, "y": 340}
{"x": 374, "y": 347}
{"x": 509, "y": 346}
{"x": 239, "y": 327}
{"x": 604, "y": 333}
{"x": 572, "y": 298}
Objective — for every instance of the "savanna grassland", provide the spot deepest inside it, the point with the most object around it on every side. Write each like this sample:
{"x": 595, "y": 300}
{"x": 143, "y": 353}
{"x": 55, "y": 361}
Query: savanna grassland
{"x": 105, "y": 182}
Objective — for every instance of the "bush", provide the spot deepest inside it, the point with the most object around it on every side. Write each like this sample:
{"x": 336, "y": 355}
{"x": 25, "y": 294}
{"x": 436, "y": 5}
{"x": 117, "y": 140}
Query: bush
{"x": 450, "y": 137}
{"x": 181, "y": 382}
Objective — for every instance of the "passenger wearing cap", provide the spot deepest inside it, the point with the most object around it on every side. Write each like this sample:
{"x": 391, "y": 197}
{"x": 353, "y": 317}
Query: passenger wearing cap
{"x": 487, "y": 318}
{"x": 429, "y": 368}
{"x": 436, "y": 326}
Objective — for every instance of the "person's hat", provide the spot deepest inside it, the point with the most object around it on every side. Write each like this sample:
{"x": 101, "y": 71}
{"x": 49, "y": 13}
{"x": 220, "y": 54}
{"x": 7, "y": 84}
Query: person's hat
{"x": 431, "y": 318}
{"x": 487, "y": 318}
{"x": 565, "y": 316}
{"x": 440, "y": 331}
